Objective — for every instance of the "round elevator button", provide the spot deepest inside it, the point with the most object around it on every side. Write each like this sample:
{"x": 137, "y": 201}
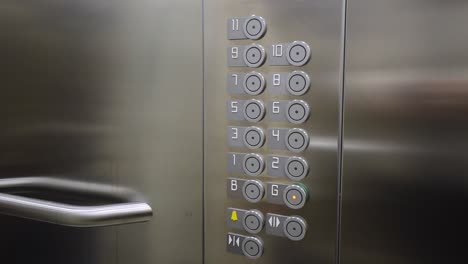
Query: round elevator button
{"x": 295, "y": 196}
{"x": 254, "y": 137}
{"x": 252, "y": 247}
{"x": 297, "y": 140}
{"x": 298, "y": 111}
{"x": 298, "y": 83}
{"x": 298, "y": 53}
{"x": 253, "y": 191}
{"x": 253, "y": 164}
{"x": 254, "y": 110}
{"x": 295, "y": 228}
{"x": 253, "y": 221}
{"x": 254, "y": 83}
{"x": 254, "y": 55}
{"x": 254, "y": 27}
{"x": 296, "y": 168}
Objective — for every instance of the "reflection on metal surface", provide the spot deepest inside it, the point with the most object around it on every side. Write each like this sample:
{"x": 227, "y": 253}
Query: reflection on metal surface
{"x": 124, "y": 209}
{"x": 405, "y": 132}
{"x": 109, "y": 92}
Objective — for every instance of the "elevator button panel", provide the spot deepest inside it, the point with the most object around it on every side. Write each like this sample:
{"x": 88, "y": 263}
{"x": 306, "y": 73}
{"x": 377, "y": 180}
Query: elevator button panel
{"x": 259, "y": 97}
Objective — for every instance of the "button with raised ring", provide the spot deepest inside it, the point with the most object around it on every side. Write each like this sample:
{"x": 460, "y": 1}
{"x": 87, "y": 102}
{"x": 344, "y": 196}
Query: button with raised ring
{"x": 254, "y": 83}
{"x": 254, "y": 55}
{"x": 253, "y": 221}
{"x": 296, "y": 168}
{"x": 295, "y": 228}
{"x": 295, "y": 196}
{"x": 253, "y": 164}
{"x": 298, "y": 53}
{"x": 297, "y": 140}
{"x": 298, "y": 83}
{"x": 254, "y": 137}
{"x": 254, "y": 27}
{"x": 297, "y": 111}
{"x": 254, "y": 110}
{"x": 252, "y": 247}
{"x": 253, "y": 191}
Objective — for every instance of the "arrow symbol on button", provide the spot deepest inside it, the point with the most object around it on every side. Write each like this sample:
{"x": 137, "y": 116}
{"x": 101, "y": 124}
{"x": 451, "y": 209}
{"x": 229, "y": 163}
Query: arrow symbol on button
{"x": 274, "y": 221}
{"x": 237, "y": 241}
{"x": 230, "y": 240}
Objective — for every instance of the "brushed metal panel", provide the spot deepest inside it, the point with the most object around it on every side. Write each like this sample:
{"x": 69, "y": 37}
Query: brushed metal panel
{"x": 319, "y": 23}
{"x": 111, "y": 92}
{"x": 405, "y": 132}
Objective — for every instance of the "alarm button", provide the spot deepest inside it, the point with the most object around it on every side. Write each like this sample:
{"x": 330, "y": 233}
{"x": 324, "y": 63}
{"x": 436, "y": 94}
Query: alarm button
{"x": 253, "y": 221}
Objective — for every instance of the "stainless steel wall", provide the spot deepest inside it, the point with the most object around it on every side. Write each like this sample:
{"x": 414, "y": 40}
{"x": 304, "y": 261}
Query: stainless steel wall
{"x": 109, "y": 92}
{"x": 405, "y": 132}
{"x": 318, "y": 23}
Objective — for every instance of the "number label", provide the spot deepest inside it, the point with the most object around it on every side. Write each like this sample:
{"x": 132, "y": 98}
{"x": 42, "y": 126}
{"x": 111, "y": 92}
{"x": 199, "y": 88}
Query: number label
{"x": 276, "y": 79}
{"x": 235, "y": 24}
{"x": 233, "y": 185}
{"x": 277, "y": 50}
{"x": 235, "y": 133}
{"x": 275, "y": 107}
{"x": 275, "y": 134}
{"x": 275, "y": 163}
{"x": 235, "y": 77}
{"x": 274, "y": 190}
{"x": 235, "y": 52}
{"x": 234, "y": 107}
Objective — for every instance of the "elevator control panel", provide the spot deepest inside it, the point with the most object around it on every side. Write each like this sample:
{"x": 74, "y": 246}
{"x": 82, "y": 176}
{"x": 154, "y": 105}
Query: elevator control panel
{"x": 269, "y": 136}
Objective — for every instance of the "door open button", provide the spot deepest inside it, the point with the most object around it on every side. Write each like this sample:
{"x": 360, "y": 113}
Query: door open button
{"x": 295, "y": 228}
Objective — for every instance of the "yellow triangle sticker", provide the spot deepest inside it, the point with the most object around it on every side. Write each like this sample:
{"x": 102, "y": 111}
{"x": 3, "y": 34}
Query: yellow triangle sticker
{"x": 234, "y": 216}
